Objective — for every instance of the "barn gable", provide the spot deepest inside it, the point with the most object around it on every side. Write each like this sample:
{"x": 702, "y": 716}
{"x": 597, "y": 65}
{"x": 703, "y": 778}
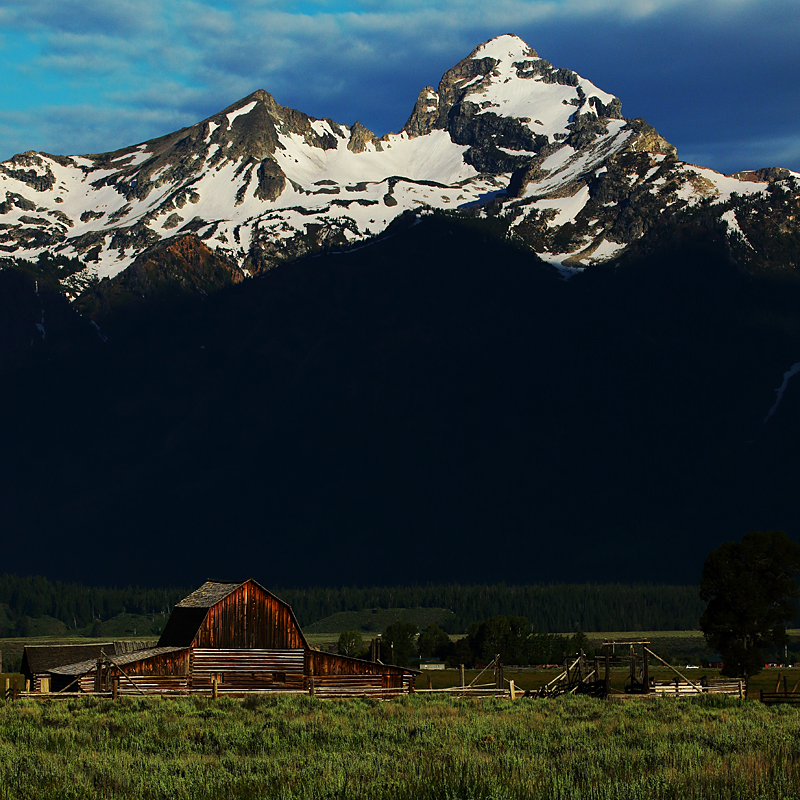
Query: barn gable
{"x": 223, "y": 614}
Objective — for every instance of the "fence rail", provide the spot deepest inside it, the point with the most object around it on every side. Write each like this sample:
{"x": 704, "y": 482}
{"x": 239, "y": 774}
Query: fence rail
{"x": 774, "y": 698}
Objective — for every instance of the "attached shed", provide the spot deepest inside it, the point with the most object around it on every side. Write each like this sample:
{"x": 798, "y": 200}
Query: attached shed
{"x": 39, "y": 659}
{"x": 236, "y": 637}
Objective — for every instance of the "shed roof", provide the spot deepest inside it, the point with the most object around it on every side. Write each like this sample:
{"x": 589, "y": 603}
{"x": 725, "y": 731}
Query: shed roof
{"x": 82, "y": 667}
{"x": 41, "y": 658}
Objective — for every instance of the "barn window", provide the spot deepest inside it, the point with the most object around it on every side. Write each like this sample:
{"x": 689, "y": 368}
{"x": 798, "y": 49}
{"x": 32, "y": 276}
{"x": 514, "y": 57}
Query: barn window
{"x": 219, "y": 677}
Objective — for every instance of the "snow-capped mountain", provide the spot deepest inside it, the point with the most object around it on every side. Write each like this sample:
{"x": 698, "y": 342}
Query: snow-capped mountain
{"x": 505, "y": 134}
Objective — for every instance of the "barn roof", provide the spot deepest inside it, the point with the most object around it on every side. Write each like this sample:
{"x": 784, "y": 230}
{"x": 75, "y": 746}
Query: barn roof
{"x": 40, "y": 658}
{"x": 82, "y": 667}
{"x": 188, "y": 615}
{"x": 209, "y": 594}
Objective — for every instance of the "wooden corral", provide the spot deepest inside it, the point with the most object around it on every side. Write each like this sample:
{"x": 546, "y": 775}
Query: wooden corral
{"x": 235, "y": 639}
{"x": 579, "y": 678}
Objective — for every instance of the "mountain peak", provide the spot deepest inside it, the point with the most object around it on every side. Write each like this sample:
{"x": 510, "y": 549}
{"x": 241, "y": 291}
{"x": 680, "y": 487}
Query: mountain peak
{"x": 504, "y": 47}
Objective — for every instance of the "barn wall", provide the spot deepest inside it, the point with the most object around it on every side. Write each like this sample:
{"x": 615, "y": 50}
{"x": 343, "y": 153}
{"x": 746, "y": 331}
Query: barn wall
{"x": 248, "y": 669}
{"x": 251, "y": 618}
{"x": 165, "y": 664}
{"x": 327, "y": 665}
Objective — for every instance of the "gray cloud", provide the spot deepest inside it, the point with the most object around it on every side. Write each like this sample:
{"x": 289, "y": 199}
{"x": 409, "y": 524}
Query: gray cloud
{"x": 691, "y": 69}
{"x": 82, "y": 129}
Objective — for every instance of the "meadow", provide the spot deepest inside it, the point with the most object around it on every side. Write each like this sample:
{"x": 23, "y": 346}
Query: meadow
{"x": 413, "y": 748}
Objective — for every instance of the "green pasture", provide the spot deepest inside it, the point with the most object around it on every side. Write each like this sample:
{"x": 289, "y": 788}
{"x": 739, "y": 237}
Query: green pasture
{"x": 420, "y": 747}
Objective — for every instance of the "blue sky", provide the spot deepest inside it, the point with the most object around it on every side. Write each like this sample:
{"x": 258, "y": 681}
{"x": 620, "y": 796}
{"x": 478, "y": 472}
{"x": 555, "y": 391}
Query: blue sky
{"x": 720, "y": 79}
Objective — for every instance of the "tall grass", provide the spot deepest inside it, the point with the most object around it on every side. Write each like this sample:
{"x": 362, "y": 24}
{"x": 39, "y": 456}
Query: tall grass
{"x": 418, "y": 748}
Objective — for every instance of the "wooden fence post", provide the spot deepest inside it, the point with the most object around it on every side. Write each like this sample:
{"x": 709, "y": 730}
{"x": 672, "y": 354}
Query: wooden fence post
{"x": 633, "y": 667}
{"x": 213, "y": 688}
{"x": 462, "y": 676}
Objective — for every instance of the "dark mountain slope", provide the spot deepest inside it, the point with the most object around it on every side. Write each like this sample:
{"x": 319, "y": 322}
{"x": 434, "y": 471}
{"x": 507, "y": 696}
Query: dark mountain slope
{"x": 434, "y": 406}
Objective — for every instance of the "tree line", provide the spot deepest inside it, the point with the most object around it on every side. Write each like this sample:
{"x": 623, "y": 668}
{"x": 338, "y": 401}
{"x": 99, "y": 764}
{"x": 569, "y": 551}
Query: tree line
{"x": 510, "y": 638}
{"x": 23, "y": 598}
{"x": 550, "y": 608}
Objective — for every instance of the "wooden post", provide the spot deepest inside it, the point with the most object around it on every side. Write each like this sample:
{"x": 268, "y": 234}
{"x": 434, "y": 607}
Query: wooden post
{"x": 608, "y": 672}
{"x": 511, "y": 690}
{"x": 645, "y": 671}
{"x": 430, "y": 685}
{"x": 633, "y": 667}
{"x": 213, "y": 688}
{"x": 114, "y": 688}
{"x": 740, "y": 688}
{"x": 14, "y": 691}
{"x": 311, "y": 686}
{"x": 462, "y": 676}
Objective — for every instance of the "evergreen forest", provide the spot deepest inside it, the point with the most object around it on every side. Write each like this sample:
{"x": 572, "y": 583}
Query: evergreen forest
{"x": 554, "y": 608}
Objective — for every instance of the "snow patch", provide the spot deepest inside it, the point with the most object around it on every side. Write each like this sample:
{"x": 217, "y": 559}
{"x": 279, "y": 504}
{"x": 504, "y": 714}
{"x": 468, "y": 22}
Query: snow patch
{"x": 239, "y": 111}
{"x": 786, "y": 375}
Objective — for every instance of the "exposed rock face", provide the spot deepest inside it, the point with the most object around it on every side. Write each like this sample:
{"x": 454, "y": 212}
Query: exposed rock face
{"x": 271, "y": 180}
{"x": 174, "y": 267}
{"x": 360, "y": 137}
{"x": 648, "y": 140}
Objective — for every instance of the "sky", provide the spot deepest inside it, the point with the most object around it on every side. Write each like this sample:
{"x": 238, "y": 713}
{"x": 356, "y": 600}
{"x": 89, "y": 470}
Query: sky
{"x": 719, "y": 79}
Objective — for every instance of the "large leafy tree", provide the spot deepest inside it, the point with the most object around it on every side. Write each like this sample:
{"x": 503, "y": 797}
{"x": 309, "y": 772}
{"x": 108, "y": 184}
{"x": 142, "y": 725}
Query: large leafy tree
{"x": 433, "y": 641}
{"x": 749, "y": 586}
{"x": 351, "y": 643}
{"x": 399, "y": 643}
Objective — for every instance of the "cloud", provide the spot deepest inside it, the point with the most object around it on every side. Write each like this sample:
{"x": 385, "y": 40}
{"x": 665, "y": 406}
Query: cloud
{"x": 143, "y": 62}
{"x": 84, "y": 129}
{"x": 737, "y": 155}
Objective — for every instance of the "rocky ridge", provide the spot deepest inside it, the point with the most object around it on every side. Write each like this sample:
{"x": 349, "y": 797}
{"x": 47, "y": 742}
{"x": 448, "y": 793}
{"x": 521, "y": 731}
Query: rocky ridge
{"x": 506, "y": 134}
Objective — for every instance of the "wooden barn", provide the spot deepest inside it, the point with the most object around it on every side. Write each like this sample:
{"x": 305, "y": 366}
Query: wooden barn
{"x": 233, "y": 638}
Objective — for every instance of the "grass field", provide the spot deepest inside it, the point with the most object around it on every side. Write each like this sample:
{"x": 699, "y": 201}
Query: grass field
{"x": 415, "y": 748}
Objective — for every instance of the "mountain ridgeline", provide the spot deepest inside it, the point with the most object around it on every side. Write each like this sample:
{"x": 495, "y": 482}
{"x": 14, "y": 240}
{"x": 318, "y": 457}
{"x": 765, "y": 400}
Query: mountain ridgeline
{"x": 518, "y": 341}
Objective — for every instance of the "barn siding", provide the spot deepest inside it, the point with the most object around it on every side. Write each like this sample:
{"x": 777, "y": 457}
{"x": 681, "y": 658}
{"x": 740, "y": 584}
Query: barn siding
{"x": 164, "y": 664}
{"x": 326, "y": 665}
{"x": 248, "y": 669}
{"x": 249, "y": 618}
